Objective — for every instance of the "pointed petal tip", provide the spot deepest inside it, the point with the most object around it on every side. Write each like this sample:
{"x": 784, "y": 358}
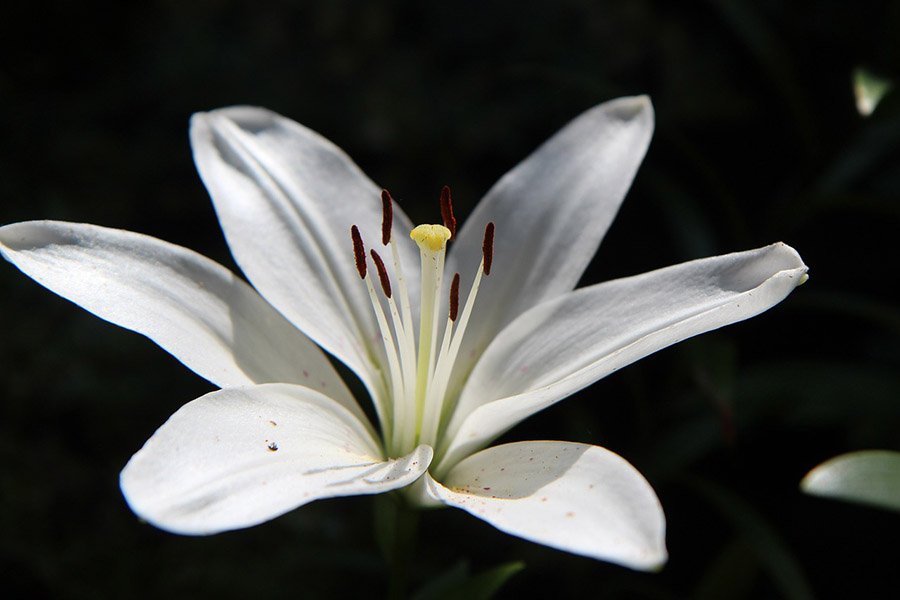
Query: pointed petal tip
{"x": 246, "y": 116}
{"x": 208, "y": 118}
{"x": 653, "y": 561}
{"x": 793, "y": 263}
{"x": 641, "y": 101}
{"x": 200, "y": 115}
{"x": 629, "y": 108}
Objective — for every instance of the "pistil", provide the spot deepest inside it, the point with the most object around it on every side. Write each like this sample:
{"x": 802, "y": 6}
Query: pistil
{"x": 432, "y": 242}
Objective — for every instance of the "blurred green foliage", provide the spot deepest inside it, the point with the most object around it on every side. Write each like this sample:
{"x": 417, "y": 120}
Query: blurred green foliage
{"x": 757, "y": 140}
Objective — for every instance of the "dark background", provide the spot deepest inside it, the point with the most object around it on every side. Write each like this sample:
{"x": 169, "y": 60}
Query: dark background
{"x": 757, "y": 140}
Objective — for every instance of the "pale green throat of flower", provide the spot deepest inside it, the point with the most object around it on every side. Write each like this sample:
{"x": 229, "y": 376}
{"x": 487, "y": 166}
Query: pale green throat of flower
{"x": 418, "y": 378}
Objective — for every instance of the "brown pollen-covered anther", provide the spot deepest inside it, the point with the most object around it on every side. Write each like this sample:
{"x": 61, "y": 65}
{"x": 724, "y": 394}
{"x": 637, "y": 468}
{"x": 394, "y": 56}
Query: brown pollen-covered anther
{"x": 387, "y": 217}
{"x": 487, "y": 247}
{"x": 382, "y": 273}
{"x": 359, "y": 251}
{"x": 454, "y": 297}
{"x": 447, "y": 211}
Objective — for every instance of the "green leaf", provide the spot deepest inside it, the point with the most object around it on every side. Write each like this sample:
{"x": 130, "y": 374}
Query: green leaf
{"x": 456, "y": 584}
{"x": 867, "y": 477}
{"x": 484, "y": 585}
{"x": 732, "y": 574}
{"x": 772, "y": 553}
{"x": 443, "y": 585}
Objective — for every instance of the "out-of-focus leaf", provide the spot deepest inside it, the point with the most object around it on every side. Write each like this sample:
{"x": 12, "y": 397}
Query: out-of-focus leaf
{"x": 697, "y": 429}
{"x": 850, "y": 304}
{"x": 869, "y": 89}
{"x": 714, "y": 366}
{"x": 772, "y": 553}
{"x": 875, "y": 142}
{"x": 773, "y": 56}
{"x": 683, "y": 445}
{"x": 442, "y": 585}
{"x": 689, "y": 226}
{"x": 730, "y": 575}
{"x": 867, "y": 477}
{"x": 819, "y": 393}
{"x": 457, "y": 584}
{"x": 484, "y": 585}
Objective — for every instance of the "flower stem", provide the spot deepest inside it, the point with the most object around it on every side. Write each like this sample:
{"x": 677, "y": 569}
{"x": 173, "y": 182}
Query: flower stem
{"x": 396, "y": 526}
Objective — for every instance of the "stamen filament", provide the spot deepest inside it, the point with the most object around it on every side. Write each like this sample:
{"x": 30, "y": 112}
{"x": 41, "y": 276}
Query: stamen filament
{"x": 405, "y": 422}
{"x": 404, "y": 384}
{"x": 438, "y": 386}
{"x": 445, "y": 369}
{"x": 383, "y": 409}
{"x": 404, "y": 295}
{"x": 407, "y": 353}
{"x": 390, "y": 350}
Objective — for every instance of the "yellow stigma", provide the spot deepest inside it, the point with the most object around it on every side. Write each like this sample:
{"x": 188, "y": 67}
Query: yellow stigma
{"x": 431, "y": 237}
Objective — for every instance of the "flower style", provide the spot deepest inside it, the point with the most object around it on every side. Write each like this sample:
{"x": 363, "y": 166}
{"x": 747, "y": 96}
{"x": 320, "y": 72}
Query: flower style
{"x": 448, "y": 368}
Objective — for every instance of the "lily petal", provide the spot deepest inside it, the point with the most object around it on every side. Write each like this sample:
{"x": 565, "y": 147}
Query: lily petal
{"x": 564, "y": 345}
{"x": 238, "y": 457}
{"x": 866, "y": 476}
{"x": 194, "y": 308}
{"x": 551, "y": 211}
{"x": 286, "y": 198}
{"x": 579, "y": 498}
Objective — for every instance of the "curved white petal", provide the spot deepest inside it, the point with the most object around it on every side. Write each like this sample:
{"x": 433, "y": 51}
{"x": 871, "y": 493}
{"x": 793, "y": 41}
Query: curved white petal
{"x": 194, "y": 308}
{"x": 565, "y": 344}
{"x": 866, "y": 476}
{"x": 286, "y": 198}
{"x": 579, "y": 498}
{"x": 238, "y": 457}
{"x": 551, "y": 211}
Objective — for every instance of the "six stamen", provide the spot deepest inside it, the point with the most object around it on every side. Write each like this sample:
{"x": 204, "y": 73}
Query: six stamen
{"x": 419, "y": 385}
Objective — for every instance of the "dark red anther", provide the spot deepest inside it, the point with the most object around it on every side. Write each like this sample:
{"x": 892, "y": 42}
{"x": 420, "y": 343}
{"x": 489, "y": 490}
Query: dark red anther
{"x": 387, "y": 217}
{"x": 454, "y": 297}
{"x": 447, "y": 211}
{"x": 382, "y": 273}
{"x": 359, "y": 251}
{"x": 487, "y": 247}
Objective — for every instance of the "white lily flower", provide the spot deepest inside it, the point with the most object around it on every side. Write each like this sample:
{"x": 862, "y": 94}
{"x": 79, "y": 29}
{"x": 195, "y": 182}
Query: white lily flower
{"x": 448, "y": 368}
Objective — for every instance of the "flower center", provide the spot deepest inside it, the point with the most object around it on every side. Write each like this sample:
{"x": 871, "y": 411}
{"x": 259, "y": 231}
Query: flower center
{"x": 418, "y": 370}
